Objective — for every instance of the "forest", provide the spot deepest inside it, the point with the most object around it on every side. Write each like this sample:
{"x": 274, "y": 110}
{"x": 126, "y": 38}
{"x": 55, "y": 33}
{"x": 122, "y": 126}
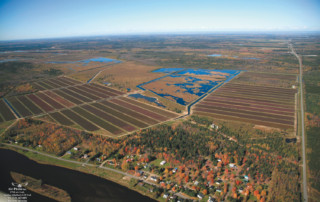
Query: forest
{"x": 223, "y": 168}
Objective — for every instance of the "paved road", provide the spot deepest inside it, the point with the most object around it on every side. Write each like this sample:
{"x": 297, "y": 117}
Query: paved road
{"x": 304, "y": 166}
{"x": 80, "y": 163}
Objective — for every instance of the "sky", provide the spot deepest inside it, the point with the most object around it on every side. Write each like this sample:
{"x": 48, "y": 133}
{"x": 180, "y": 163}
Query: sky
{"x": 32, "y": 19}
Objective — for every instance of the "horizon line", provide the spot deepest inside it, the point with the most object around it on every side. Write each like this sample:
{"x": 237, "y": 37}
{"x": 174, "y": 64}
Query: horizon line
{"x": 173, "y": 33}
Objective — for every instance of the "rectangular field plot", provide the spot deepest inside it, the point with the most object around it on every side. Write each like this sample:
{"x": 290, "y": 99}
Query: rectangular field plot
{"x": 131, "y": 113}
{"x": 79, "y": 120}
{"x": 140, "y": 110}
{"x": 61, "y": 119}
{"x": 20, "y": 108}
{"x": 6, "y": 112}
{"x": 67, "y": 97}
{"x": 261, "y": 105}
{"x": 40, "y": 103}
{"x": 59, "y": 99}
{"x": 59, "y": 82}
{"x": 107, "y": 90}
{"x": 119, "y": 115}
{"x": 100, "y": 122}
{"x": 50, "y": 101}
{"x": 109, "y": 118}
{"x": 33, "y": 108}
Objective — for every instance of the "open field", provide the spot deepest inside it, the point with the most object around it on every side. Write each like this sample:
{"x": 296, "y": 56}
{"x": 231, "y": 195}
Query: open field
{"x": 127, "y": 75}
{"x": 260, "y": 105}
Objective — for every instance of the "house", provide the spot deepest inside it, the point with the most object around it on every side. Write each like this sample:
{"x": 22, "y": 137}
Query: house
{"x": 196, "y": 183}
{"x": 154, "y": 178}
{"x": 165, "y": 195}
{"x": 75, "y": 149}
{"x": 174, "y": 170}
{"x": 69, "y": 152}
{"x": 162, "y": 163}
{"x": 246, "y": 178}
{"x": 111, "y": 162}
{"x": 210, "y": 199}
{"x": 240, "y": 190}
{"x": 107, "y": 83}
{"x": 219, "y": 160}
{"x": 140, "y": 172}
{"x": 218, "y": 190}
{"x": 146, "y": 166}
{"x": 231, "y": 165}
{"x": 218, "y": 181}
{"x": 213, "y": 126}
{"x": 200, "y": 195}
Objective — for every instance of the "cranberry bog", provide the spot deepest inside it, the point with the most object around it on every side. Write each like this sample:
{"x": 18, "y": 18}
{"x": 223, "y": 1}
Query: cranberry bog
{"x": 90, "y": 107}
{"x": 266, "y": 105}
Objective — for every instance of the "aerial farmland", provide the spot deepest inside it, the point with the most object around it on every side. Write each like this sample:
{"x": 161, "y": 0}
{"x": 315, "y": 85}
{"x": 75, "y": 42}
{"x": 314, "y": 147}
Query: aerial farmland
{"x": 181, "y": 116}
{"x": 92, "y": 107}
{"x": 253, "y": 102}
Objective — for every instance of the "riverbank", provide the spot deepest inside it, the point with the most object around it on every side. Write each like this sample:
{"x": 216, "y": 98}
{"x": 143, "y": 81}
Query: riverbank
{"x": 87, "y": 169}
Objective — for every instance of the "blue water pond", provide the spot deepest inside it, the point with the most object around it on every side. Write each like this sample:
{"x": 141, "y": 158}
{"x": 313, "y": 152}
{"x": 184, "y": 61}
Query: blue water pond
{"x": 215, "y": 55}
{"x": 85, "y": 62}
{"x": 167, "y": 70}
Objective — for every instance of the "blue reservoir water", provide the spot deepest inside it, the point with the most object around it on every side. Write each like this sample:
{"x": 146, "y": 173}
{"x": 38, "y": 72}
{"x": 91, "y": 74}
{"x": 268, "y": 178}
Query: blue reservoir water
{"x": 215, "y": 55}
{"x": 167, "y": 70}
{"x": 85, "y": 62}
{"x": 150, "y": 99}
{"x": 207, "y": 71}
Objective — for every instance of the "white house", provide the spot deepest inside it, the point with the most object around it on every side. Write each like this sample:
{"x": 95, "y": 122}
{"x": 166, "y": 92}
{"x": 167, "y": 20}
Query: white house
{"x": 200, "y": 195}
{"x": 154, "y": 178}
{"x": 246, "y": 177}
{"x": 162, "y": 163}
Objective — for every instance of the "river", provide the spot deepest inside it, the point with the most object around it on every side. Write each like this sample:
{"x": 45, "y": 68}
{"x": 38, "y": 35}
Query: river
{"x": 80, "y": 186}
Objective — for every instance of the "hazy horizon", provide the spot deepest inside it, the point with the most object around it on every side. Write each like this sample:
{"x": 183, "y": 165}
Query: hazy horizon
{"x": 37, "y": 19}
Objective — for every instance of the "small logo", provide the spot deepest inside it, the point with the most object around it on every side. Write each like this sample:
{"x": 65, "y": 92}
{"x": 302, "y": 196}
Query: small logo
{"x": 19, "y": 185}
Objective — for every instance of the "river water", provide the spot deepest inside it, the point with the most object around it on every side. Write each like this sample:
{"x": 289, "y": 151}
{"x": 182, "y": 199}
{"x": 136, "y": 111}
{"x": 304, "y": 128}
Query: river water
{"x": 80, "y": 186}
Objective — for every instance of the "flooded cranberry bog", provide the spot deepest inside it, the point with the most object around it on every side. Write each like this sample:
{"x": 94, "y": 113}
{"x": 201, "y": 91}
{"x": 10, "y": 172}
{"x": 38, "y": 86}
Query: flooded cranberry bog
{"x": 90, "y": 107}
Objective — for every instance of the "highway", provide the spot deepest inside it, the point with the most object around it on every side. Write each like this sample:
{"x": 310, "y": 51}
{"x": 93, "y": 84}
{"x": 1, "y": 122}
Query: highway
{"x": 304, "y": 164}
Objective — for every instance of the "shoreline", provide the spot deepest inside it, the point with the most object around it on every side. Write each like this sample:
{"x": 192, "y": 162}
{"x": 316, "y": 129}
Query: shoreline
{"x": 89, "y": 169}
